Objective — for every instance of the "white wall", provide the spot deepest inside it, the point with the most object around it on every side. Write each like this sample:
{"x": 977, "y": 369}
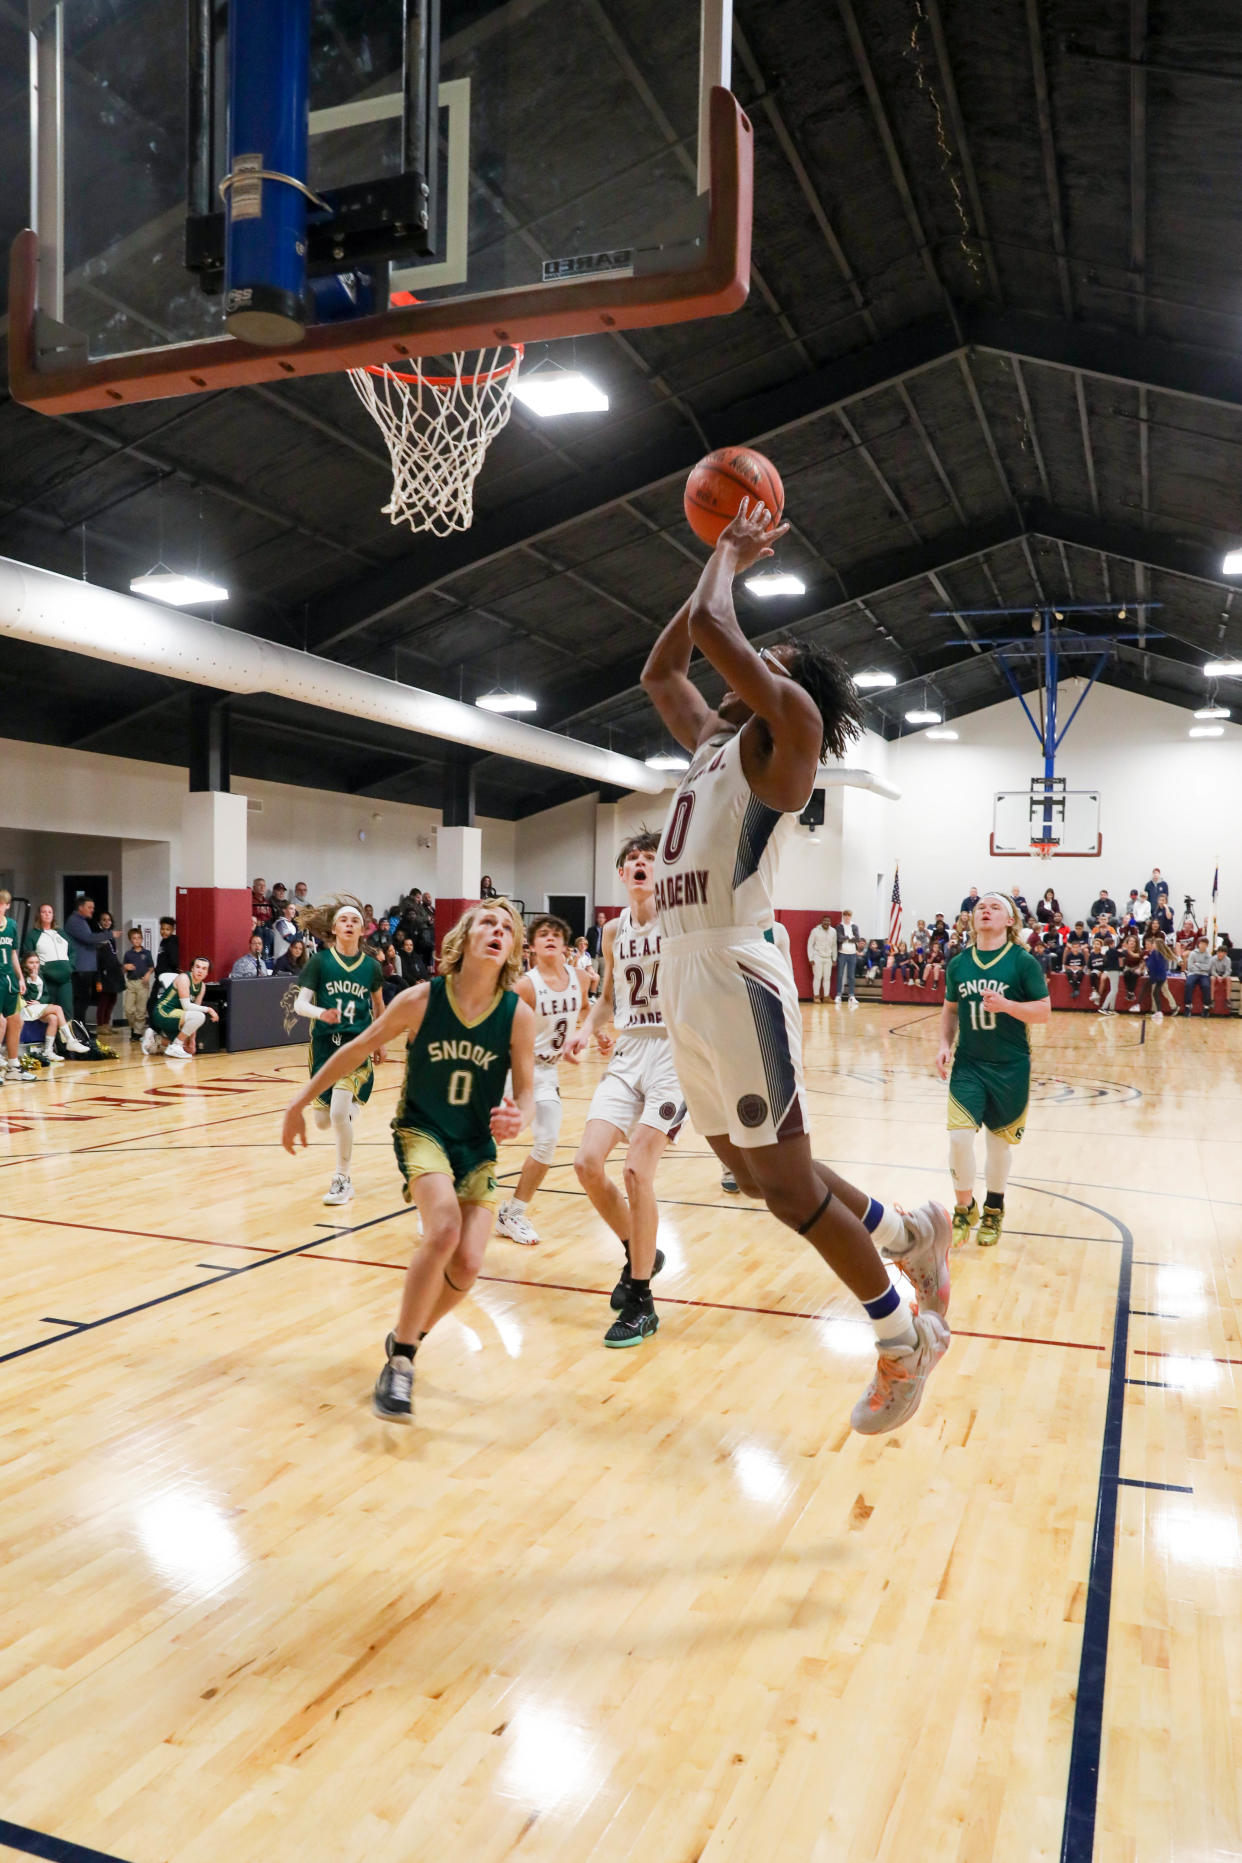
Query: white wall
{"x": 1165, "y": 801}
{"x": 554, "y": 852}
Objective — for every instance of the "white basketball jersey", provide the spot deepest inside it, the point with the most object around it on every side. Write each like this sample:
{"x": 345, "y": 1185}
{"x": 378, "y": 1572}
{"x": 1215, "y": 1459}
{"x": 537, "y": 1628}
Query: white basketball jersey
{"x": 721, "y": 847}
{"x": 556, "y": 1014}
{"x": 636, "y": 975}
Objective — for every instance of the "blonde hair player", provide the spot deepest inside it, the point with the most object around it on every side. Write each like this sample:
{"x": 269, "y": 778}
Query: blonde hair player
{"x": 556, "y": 992}
{"x": 733, "y": 1014}
{"x": 464, "y": 1031}
{"x": 638, "y": 1099}
{"x": 993, "y": 992}
{"x": 341, "y": 994}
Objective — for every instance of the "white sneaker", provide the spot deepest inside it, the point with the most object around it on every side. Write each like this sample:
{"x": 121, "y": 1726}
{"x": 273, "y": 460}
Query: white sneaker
{"x": 340, "y": 1190}
{"x": 51, "y": 1058}
{"x": 1157, "y": 1015}
{"x": 896, "y": 1390}
{"x": 853, "y": 1002}
{"x": 519, "y": 1228}
{"x": 150, "y": 1042}
{"x": 1136, "y": 1009}
{"x": 836, "y": 1002}
{"x": 929, "y": 1236}
{"x": 175, "y": 1052}
{"x": 73, "y": 1044}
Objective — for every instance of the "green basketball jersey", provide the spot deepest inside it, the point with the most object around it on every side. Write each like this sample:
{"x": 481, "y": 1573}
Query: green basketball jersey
{"x": 8, "y": 944}
{"x": 986, "y": 1034}
{"x": 344, "y": 983}
{"x": 168, "y": 1003}
{"x": 455, "y": 1074}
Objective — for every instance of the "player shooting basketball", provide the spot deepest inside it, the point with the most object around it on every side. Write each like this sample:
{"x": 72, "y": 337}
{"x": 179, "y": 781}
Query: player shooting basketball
{"x": 729, "y": 998}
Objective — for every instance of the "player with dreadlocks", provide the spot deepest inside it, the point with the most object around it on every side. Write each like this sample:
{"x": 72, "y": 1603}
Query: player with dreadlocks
{"x": 729, "y": 998}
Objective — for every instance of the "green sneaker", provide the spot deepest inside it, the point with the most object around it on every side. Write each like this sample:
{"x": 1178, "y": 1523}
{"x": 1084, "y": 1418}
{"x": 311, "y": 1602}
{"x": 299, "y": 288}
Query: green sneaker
{"x": 990, "y": 1225}
{"x": 963, "y": 1222}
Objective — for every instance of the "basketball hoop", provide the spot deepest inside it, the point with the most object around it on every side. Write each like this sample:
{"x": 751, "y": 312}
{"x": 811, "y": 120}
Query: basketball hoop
{"x": 437, "y": 429}
{"x": 1043, "y": 850}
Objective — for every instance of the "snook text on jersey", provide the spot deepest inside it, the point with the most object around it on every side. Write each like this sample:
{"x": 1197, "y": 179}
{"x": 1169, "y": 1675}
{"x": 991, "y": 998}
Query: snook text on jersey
{"x": 975, "y": 986}
{"x": 342, "y": 986}
{"x": 461, "y": 1051}
{"x": 682, "y": 889}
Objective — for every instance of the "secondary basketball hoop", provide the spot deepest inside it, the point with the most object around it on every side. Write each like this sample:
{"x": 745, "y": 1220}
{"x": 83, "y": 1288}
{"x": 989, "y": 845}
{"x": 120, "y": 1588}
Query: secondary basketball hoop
{"x": 437, "y": 429}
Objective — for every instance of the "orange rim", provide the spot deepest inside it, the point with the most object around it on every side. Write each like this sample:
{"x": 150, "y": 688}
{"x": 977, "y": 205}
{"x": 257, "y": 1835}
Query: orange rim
{"x": 451, "y": 381}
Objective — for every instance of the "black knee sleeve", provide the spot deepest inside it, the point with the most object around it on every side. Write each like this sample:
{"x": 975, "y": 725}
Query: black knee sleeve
{"x": 809, "y": 1224}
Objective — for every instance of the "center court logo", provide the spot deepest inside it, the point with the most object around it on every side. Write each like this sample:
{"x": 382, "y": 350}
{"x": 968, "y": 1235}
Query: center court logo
{"x": 752, "y": 1110}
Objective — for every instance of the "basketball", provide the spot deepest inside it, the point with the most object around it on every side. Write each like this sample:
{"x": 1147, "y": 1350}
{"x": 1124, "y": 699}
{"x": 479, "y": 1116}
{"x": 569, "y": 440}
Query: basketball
{"x": 719, "y": 483}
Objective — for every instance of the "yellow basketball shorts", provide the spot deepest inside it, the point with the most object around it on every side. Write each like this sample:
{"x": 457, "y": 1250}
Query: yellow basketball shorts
{"x": 421, "y": 1154}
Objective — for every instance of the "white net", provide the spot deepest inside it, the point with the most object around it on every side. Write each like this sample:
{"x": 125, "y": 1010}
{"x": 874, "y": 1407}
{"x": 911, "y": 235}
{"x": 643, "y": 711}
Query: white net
{"x": 437, "y": 429}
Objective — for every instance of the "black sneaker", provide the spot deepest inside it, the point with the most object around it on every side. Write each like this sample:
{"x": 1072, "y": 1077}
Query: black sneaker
{"x": 393, "y": 1396}
{"x": 631, "y": 1326}
{"x": 620, "y": 1293}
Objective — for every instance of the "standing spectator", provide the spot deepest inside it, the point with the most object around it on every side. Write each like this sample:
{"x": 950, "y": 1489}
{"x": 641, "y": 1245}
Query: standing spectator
{"x": 1154, "y": 887}
{"x": 970, "y": 902}
{"x": 1076, "y": 957}
{"x": 488, "y": 891}
{"x": 111, "y": 976}
{"x": 252, "y": 962}
{"x": 1048, "y": 908}
{"x": 1095, "y": 968}
{"x": 168, "y": 956}
{"x": 849, "y": 950}
{"x": 260, "y": 903}
{"x": 1101, "y": 907}
{"x": 1199, "y": 978}
{"x": 1156, "y": 957}
{"x": 138, "y": 969}
{"x": 51, "y": 947}
{"x": 595, "y": 936}
{"x": 1132, "y": 971}
{"x": 294, "y": 958}
{"x": 920, "y": 937}
{"x": 284, "y": 931}
{"x": 1110, "y": 980}
{"x": 821, "y": 952}
{"x": 84, "y": 943}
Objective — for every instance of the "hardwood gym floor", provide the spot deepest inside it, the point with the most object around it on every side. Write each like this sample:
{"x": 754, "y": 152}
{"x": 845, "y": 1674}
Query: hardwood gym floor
{"x": 594, "y": 1605}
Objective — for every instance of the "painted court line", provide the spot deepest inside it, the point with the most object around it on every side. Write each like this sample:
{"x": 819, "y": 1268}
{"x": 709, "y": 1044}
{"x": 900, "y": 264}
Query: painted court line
{"x": 54, "y": 1849}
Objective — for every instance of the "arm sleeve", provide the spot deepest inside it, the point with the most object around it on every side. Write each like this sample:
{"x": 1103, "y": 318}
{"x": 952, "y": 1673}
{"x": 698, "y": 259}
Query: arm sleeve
{"x": 305, "y": 1005}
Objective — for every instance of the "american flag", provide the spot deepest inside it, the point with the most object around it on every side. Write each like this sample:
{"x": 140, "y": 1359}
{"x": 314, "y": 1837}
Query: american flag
{"x": 894, "y": 917}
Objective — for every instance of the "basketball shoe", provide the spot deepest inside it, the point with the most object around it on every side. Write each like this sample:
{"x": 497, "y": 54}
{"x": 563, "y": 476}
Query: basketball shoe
{"x": 150, "y": 1043}
{"x": 515, "y": 1224}
{"x": 925, "y": 1257}
{"x": 963, "y": 1222}
{"x": 621, "y": 1292}
{"x": 340, "y": 1190}
{"x": 393, "y": 1396}
{"x": 635, "y": 1322}
{"x": 896, "y": 1391}
{"x": 175, "y": 1052}
{"x": 991, "y": 1223}
{"x": 728, "y": 1183}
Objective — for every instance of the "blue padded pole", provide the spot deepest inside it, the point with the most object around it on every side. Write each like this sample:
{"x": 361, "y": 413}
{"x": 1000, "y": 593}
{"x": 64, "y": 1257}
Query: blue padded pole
{"x": 265, "y": 191}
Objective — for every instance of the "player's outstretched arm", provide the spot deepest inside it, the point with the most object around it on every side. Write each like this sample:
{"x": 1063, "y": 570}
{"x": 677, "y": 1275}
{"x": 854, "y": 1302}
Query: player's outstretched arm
{"x": 513, "y": 1116}
{"x": 1039, "y": 1009}
{"x": 667, "y": 684}
{"x": 403, "y": 1016}
{"x": 948, "y": 1035}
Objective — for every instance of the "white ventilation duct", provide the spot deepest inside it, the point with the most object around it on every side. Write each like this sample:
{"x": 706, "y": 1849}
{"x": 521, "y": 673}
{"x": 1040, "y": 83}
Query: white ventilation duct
{"x": 844, "y": 777}
{"x": 102, "y": 624}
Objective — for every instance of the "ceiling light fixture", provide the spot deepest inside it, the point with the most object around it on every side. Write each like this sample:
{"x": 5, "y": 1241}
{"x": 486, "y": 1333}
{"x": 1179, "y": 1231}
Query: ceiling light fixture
{"x": 942, "y": 737}
{"x": 549, "y": 392}
{"x": 874, "y": 681}
{"x": 1223, "y": 669}
{"x": 169, "y": 585}
{"x": 506, "y": 702}
{"x": 775, "y": 582}
{"x": 1213, "y": 711}
{"x": 1232, "y": 565}
{"x": 1207, "y": 730}
{"x": 667, "y": 760}
{"x": 924, "y": 718}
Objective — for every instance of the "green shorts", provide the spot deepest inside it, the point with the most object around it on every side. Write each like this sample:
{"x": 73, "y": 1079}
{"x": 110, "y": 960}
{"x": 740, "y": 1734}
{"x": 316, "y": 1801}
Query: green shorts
{"x": 166, "y": 1025}
{"x": 995, "y": 1097}
{"x": 422, "y": 1154}
{"x": 10, "y": 997}
{"x": 359, "y": 1082}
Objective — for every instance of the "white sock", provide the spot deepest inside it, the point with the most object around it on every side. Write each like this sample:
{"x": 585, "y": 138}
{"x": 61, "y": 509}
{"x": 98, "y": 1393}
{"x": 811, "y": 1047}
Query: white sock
{"x": 896, "y": 1326}
{"x": 517, "y": 1207}
{"x": 890, "y": 1231}
{"x": 49, "y": 1044}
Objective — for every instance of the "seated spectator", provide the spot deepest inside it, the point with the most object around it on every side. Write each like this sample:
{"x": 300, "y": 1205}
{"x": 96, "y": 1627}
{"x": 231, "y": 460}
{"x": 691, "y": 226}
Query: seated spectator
{"x": 37, "y": 1006}
{"x": 1110, "y": 980}
{"x": 168, "y": 957}
{"x": 1106, "y": 927}
{"x": 284, "y": 931}
{"x": 939, "y": 931}
{"x": 301, "y": 895}
{"x": 1132, "y": 970}
{"x": 486, "y": 889}
{"x": 292, "y": 959}
{"x": 1102, "y": 906}
{"x": 138, "y": 970}
{"x": 1156, "y": 957}
{"x": 1059, "y": 928}
{"x": 970, "y": 902}
{"x": 51, "y": 947}
{"x": 260, "y": 903}
{"x": 252, "y": 962}
{"x": 873, "y": 960}
{"x": 937, "y": 958}
{"x": 111, "y": 978}
{"x": 1225, "y": 961}
{"x": 1077, "y": 952}
{"x": 1048, "y": 952}
{"x": 902, "y": 961}
{"x": 1095, "y": 967}
{"x": 410, "y": 962}
{"x": 1137, "y": 909}
{"x": 1048, "y": 908}
{"x": 370, "y": 924}
{"x": 1019, "y": 900}
{"x": 1199, "y": 975}
{"x": 1162, "y": 917}
{"x": 920, "y": 937}
{"x": 1188, "y": 935}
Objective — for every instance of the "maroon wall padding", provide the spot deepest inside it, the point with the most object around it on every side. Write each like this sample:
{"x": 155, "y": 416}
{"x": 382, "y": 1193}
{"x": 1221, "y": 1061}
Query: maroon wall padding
{"x": 800, "y": 924}
{"x": 893, "y": 990}
{"x": 214, "y": 922}
{"x": 448, "y": 911}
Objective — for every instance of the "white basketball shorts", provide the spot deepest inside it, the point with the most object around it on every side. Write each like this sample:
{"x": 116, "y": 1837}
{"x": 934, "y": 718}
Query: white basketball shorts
{"x": 735, "y": 1025}
{"x": 640, "y": 1087}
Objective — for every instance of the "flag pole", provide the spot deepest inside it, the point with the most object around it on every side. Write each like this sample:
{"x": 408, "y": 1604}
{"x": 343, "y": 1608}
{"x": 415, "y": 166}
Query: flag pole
{"x": 1215, "y": 885}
